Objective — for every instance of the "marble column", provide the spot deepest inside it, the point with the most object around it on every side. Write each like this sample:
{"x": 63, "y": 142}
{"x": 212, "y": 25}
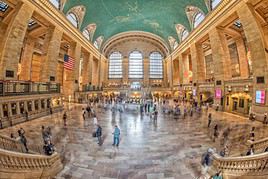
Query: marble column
{"x": 146, "y": 71}
{"x": 125, "y": 69}
{"x": 26, "y": 59}
{"x": 1, "y": 111}
{"x": 9, "y": 110}
{"x": 220, "y": 55}
{"x": 51, "y": 51}
{"x": 33, "y": 106}
{"x": 181, "y": 69}
{"x": 256, "y": 42}
{"x": 18, "y": 108}
{"x": 198, "y": 62}
{"x": 71, "y": 82}
{"x": 13, "y": 40}
{"x": 86, "y": 69}
{"x": 243, "y": 62}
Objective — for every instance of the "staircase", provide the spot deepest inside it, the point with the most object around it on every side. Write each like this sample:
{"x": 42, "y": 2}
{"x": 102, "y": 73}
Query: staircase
{"x": 14, "y": 163}
{"x": 244, "y": 167}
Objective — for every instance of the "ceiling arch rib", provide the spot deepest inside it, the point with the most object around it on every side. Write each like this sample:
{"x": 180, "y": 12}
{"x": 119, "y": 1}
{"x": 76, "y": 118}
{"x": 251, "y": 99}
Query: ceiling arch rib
{"x": 135, "y": 39}
{"x": 117, "y": 16}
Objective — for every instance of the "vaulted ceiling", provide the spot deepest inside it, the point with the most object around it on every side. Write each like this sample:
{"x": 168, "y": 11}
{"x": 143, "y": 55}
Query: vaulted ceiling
{"x": 155, "y": 16}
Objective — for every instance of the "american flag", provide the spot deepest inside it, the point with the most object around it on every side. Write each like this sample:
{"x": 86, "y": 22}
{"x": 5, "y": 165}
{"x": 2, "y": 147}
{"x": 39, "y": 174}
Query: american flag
{"x": 68, "y": 62}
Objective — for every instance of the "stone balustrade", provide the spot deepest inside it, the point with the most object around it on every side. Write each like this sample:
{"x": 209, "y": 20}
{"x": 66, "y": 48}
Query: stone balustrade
{"x": 28, "y": 166}
{"x": 259, "y": 145}
{"x": 242, "y": 167}
{"x": 10, "y": 144}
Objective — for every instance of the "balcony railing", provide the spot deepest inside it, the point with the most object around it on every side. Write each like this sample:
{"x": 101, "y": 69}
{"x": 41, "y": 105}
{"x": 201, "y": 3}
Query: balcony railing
{"x": 12, "y": 88}
{"x": 87, "y": 88}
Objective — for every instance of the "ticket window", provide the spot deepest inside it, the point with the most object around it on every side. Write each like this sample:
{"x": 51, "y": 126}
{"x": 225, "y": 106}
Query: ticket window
{"x": 29, "y": 105}
{"x": 43, "y": 104}
{"x": 5, "y": 110}
{"x": 21, "y": 107}
{"x": 13, "y": 108}
{"x": 36, "y": 106}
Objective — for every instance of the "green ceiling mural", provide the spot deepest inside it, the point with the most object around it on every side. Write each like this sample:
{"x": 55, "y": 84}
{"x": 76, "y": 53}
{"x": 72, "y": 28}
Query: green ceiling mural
{"x": 115, "y": 16}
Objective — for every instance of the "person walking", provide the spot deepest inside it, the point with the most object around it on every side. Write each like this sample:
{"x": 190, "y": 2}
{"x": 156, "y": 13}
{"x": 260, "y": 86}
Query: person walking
{"x": 116, "y": 134}
{"x": 23, "y": 139}
{"x": 225, "y": 135}
{"x": 44, "y": 134}
{"x": 65, "y": 119}
{"x": 218, "y": 175}
{"x": 252, "y": 134}
{"x": 209, "y": 119}
{"x": 155, "y": 115}
{"x": 265, "y": 121}
{"x": 95, "y": 120}
{"x": 215, "y": 133}
{"x": 99, "y": 134}
{"x": 84, "y": 113}
{"x": 1, "y": 124}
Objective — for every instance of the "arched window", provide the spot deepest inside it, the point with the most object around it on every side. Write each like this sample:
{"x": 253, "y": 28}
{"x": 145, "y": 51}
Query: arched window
{"x": 156, "y": 65}
{"x": 172, "y": 42}
{"x": 198, "y": 18}
{"x": 115, "y": 65}
{"x": 135, "y": 65}
{"x": 73, "y": 19}
{"x": 96, "y": 44}
{"x": 86, "y": 34}
{"x": 184, "y": 34}
{"x": 56, "y": 3}
{"x": 214, "y": 3}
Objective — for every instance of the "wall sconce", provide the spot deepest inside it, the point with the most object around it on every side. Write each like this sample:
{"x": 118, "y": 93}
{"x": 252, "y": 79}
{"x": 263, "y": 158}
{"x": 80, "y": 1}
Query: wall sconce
{"x": 229, "y": 89}
{"x": 246, "y": 89}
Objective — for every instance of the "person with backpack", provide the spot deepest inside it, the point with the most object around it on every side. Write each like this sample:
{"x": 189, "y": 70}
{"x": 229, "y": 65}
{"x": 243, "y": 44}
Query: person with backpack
{"x": 99, "y": 134}
{"x": 48, "y": 148}
{"x": 206, "y": 160}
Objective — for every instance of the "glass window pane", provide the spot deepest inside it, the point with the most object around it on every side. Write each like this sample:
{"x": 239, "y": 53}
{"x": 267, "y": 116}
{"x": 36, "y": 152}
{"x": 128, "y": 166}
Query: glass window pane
{"x": 86, "y": 34}
{"x": 56, "y": 3}
{"x": 156, "y": 65}
{"x": 73, "y": 19}
{"x": 115, "y": 65}
{"x": 135, "y": 65}
{"x": 184, "y": 34}
{"x": 215, "y": 3}
{"x": 199, "y": 17}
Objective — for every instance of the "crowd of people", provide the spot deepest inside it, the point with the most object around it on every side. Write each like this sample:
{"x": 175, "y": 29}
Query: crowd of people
{"x": 179, "y": 110}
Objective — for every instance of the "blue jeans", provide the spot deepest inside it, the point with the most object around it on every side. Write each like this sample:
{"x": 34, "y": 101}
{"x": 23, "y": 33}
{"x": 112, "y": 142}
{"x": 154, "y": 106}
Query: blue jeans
{"x": 116, "y": 141}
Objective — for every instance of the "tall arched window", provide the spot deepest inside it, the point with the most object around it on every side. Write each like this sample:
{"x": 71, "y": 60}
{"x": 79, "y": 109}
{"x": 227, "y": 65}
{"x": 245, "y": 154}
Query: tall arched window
{"x": 156, "y": 65}
{"x": 184, "y": 34}
{"x": 73, "y": 19}
{"x": 86, "y": 34}
{"x": 115, "y": 65}
{"x": 198, "y": 18}
{"x": 56, "y": 3}
{"x": 135, "y": 65}
{"x": 214, "y": 3}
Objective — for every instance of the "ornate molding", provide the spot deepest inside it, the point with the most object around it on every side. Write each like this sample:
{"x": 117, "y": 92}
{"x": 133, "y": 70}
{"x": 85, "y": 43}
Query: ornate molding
{"x": 135, "y": 35}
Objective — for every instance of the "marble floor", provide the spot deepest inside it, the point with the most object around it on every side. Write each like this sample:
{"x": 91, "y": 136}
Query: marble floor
{"x": 167, "y": 149}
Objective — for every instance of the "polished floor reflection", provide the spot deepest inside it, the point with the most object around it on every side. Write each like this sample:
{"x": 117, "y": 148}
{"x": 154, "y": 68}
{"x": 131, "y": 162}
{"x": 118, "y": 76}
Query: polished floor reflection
{"x": 148, "y": 150}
